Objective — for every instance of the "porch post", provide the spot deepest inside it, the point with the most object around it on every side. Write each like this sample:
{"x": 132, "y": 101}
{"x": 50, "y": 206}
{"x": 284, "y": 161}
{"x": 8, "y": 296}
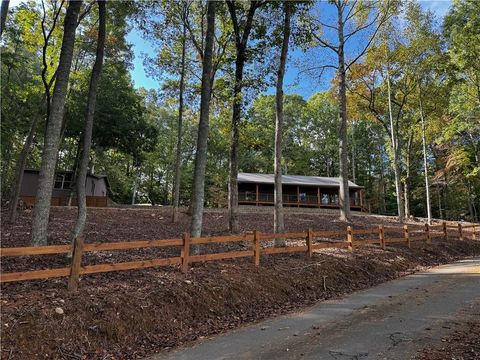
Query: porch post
{"x": 318, "y": 196}
{"x": 256, "y": 194}
{"x": 298, "y": 196}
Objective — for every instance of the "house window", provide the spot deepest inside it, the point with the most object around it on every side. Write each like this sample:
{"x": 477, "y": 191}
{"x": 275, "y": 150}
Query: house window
{"x": 334, "y": 198}
{"x": 325, "y": 199}
{"x": 250, "y": 196}
{"x": 63, "y": 181}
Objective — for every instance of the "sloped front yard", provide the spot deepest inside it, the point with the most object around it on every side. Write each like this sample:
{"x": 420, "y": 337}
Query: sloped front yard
{"x": 131, "y": 314}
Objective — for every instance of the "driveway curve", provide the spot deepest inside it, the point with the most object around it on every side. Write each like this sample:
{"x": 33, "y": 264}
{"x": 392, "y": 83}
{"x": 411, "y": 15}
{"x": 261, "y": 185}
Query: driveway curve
{"x": 390, "y": 321}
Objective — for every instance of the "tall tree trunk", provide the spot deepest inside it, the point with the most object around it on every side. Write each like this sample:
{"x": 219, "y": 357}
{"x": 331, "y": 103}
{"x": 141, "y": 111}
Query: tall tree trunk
{"x": 354, "y": 172}
{"x": 87, "y": 131}
{"x": 91, "y": 163}
{"x": 20, "y": 165}
{"x": 406, "y": 194}
{"x": 439, "y": 198}
{"x": 344, "y": 194}
{"x": 75, "y": 172}
{"x": 134, "y": 187}
{"x": 396, "y": 159}
{"x": 383, "y": 207}
{"x": 407, "y": 177}
{"x": 178, "y": 155}
{"x": 425, "y": 164}
{"x": 4, "y": 13}
{"x": 6, "y": 157}
{"x": 52, "y": 134}
{"x": 445, "y": 198}
{"x": 470, "y": 203}
{"x": 278, "y": 220}
{"x": 235, "y": 135}
{"x": 241, "y": 41}
{"x": 475, "y": 212}
{"x": 198, "y": 195}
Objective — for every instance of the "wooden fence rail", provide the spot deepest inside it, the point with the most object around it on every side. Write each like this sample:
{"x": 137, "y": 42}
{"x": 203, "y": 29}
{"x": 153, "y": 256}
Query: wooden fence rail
{"x": 310, "y": 241}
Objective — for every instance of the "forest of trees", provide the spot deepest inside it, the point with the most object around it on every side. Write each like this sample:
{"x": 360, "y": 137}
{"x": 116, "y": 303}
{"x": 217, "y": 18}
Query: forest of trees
{"x": 400, "y": 116}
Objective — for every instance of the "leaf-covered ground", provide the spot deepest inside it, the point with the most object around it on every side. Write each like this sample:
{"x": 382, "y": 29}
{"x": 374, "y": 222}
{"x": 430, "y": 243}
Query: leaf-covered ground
{"x": 131, "y": 314}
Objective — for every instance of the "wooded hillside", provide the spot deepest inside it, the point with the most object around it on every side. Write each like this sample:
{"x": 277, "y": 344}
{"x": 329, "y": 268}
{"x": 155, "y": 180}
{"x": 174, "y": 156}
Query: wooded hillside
{"x": 399, "y": 112}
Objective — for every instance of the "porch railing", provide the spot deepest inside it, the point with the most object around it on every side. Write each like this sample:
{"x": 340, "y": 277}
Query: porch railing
{"x": 246, "y": 196}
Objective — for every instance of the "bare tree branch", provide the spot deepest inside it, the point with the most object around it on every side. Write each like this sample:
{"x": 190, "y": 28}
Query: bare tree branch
{"x": 372, "y": 37}
{"x": 328, "y": 26}
{"x": 221, "y": 54}
{"x": 233, "y": 14}
{"x": 85, "y": 12}
{"x": 360, "y": 28}
{"x": 349, "y": 14}
{"x": 322, "y": 68}
{"x": 192, "y": 35}
{"x": 324, "y": 43}
{"x": 46, "y": 39}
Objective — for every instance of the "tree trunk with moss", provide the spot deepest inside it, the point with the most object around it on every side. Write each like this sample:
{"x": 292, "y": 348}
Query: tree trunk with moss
{"x": 54, "y": 127}
{"x": 278, "y": 218}
{"x": 343, "y": 193}
{"x": 198, "y": 195}
{"x": 88, "y": 127}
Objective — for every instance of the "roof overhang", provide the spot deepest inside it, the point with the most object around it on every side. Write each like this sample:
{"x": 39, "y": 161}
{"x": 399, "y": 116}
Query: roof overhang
{"x": 297, "y": 180}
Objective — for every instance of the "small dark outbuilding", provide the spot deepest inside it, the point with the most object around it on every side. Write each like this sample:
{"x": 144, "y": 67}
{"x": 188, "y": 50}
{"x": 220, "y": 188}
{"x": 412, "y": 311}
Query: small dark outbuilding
{"x": 305, "y": 191}
{"x": 97, "y": 188}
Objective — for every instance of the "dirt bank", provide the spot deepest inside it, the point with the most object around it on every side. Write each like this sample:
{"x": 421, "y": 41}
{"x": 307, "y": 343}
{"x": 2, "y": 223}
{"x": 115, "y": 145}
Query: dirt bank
{"x": 132, "y": 314}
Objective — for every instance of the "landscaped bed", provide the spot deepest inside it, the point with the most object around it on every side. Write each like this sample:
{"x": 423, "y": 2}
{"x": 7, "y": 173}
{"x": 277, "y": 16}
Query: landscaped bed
{"x": 133, "y": 314}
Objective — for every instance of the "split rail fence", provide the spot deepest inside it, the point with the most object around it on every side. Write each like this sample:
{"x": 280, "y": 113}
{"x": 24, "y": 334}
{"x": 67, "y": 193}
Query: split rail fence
{"x": 312, "y": 240}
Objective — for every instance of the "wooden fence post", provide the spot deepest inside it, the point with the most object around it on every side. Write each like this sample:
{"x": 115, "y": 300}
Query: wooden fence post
{"x": 310, "y": 242}
{"x": 445, "y": 233}
{"x": 460, "y": 232}
{"x": 185, "y": 252}
{"x": 406, "y": 235}
{"x": 76, "y": 263}
{"x": 427, "y": 233}
{"x": 256, "y": 247}
{"x": 381, "y": 235}
{"x": 350, "y": 238}
{"x": 474, "y": 236}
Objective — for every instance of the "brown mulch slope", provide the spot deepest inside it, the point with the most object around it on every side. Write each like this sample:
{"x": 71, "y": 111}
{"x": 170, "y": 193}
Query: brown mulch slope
{"x": 126, "y": 224}
{"x": 123, "y": 224}
{"x": 124, "y": 315}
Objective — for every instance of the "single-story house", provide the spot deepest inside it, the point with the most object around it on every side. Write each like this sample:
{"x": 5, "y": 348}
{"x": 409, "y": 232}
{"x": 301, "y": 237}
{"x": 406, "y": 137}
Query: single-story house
{"x": 97, "y": 188}
{"x": 305, "y": 191}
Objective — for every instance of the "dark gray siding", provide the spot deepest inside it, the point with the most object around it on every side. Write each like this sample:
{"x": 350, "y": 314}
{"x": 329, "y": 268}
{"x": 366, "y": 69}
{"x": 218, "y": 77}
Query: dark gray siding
{"x": 94, "y": 186}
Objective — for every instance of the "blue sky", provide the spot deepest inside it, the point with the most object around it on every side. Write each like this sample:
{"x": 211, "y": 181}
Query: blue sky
{"x": 304, "y": 86}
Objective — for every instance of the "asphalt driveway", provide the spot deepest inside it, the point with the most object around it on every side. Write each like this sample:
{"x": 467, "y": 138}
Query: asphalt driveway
{"x": 389, "y": 321}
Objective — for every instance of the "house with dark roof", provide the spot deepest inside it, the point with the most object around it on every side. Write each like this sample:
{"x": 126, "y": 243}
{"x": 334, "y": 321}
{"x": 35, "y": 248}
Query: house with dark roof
{"x": 97, "y": 188}
{"x": 299, "y": 191}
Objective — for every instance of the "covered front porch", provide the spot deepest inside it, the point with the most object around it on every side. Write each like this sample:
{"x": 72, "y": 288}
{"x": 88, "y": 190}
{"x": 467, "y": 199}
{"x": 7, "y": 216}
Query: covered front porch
{"x": 299, "y": 196}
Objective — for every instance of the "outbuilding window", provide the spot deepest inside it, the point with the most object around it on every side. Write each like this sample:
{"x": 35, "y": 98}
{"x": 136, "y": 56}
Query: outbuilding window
{"x": 63, "y": 181}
